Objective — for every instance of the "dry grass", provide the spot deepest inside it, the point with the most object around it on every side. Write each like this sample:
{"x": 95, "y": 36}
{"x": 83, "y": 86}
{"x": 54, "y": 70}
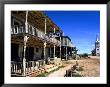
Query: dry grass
{"x": 91, "y": 67}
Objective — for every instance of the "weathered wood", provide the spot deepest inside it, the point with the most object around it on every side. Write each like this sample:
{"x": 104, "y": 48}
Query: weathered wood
{"x": 36, "y": 18}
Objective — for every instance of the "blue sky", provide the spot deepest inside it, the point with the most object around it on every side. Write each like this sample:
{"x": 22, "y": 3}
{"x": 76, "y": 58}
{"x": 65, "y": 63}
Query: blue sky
{"x": 81, "y": 26}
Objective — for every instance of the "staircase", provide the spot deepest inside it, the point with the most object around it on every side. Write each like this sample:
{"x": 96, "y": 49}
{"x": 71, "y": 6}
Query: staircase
{"x": 45, "y": 69}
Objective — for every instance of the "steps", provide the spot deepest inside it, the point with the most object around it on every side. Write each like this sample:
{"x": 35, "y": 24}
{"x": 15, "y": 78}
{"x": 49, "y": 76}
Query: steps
{"x": 45, "y": 69}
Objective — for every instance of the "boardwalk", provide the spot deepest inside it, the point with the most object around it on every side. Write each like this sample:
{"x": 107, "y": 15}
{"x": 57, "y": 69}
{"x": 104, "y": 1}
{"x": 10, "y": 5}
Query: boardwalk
{"x": 91, "y": 68}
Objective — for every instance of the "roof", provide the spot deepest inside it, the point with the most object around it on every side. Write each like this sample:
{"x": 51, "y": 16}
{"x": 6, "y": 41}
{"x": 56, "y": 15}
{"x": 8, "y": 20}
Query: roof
{"x": 66, "y": 37}
{"x": 97, "y": 40}
{"x": 37, "y": 19}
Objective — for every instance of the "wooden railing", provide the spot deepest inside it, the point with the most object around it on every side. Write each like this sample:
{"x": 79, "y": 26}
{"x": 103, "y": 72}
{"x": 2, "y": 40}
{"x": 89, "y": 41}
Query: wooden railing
{"x": 17, "y": 67}
{"x": 33, "y": 31}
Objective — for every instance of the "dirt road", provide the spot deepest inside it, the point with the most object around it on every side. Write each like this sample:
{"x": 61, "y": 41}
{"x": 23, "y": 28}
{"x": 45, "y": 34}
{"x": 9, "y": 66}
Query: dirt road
{"x": 91, "y": 68}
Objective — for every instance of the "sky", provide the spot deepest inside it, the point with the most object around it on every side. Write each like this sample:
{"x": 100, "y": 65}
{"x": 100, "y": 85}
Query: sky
{"x": 81, "y": 26}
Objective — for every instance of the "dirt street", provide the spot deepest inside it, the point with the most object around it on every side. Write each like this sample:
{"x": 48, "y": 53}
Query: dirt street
{"x": 91, "y": 67}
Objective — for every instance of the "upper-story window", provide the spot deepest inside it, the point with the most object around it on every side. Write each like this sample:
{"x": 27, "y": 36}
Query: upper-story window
{"x": 15, "y": 22}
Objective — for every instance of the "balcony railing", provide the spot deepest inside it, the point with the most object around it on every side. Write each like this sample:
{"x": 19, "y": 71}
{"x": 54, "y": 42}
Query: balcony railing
{"x": 33, "y": 31}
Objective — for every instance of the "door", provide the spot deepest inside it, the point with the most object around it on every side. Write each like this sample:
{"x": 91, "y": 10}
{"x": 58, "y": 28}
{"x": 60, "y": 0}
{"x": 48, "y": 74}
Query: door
{"x": 29, "y": 53}
{"x": 14, "y": 52}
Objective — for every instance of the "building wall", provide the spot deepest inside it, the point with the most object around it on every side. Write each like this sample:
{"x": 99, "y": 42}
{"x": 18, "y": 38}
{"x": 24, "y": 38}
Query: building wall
{"x": 97, "y": 51}
{"x": 97, "y": 48}
{"x": 20, "y": 52}
{"x": 66, "y": 42}
{"x": 37, "y": 53}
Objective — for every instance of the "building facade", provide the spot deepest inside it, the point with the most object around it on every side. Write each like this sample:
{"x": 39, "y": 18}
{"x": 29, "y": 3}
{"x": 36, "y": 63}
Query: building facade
{"x": 35, "y": 38}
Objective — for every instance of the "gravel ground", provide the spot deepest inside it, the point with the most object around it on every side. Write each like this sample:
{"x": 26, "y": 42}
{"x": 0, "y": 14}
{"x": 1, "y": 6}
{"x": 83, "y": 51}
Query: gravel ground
{"x": 91, "y": 67}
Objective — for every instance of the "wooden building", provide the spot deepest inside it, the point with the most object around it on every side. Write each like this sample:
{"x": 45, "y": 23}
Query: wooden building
{"x": 35, "y": 38}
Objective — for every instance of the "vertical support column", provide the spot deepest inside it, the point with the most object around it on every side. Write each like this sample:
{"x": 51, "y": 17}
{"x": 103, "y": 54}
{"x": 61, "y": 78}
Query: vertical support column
{"x": 66, "y": 52}
{"x": 17, "y": 29}
{"x": 60, "y": 46}
{"x": 45, "y": 42}
{"x": 54, "y": 44}
{"x": 26, "y": 23}
{"x": 24, "y": 59}
{"x": 66, "y": 49}
{"x": 44, "y": 50}
{"x": 25, "y": 41}
{"x": 45, "y": 25}
{"x": 54, "y": 50}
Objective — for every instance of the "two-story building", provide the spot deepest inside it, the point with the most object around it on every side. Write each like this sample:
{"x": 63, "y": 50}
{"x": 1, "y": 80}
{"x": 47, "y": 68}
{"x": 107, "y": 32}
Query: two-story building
{"x": 34, "y": 39}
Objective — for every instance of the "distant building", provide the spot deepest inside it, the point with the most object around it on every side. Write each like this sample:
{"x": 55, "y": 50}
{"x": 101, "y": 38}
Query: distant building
{"x": 97, "y": 47}
{"x": 96, "y": 50}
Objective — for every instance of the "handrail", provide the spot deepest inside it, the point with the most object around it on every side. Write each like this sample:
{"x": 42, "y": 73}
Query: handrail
{"x": 33, "y": 31}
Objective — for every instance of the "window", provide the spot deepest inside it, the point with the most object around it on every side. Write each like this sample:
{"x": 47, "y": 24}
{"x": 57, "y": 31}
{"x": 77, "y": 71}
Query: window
{"x": 37, "y": 49}
{"x": 97, "y": 49}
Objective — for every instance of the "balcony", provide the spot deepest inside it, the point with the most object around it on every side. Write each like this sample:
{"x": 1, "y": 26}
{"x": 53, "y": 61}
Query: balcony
{"x": 33, "y": 31}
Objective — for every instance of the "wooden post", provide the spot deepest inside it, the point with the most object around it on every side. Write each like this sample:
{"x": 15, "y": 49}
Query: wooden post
{"x": 25, "y": 41}
{"x": 17, "y": 29}
{"x": 66, "y": 52}
{"x": 66, "y": 49}
{"x": 24, "y": 59}
{"x": 45, "y": 41}
{"x": 60, "y": 46}
{"x": 44, "y": 50}
{"x": 45, "y": 25}
{"x": 14, "y": 30}
{"x": 50, "y": 51}
{"x": 54, "y": 50}
{"x": 14, "y": 67}
{"x": 54, "y": 44}
{"x": 26, "y": 23}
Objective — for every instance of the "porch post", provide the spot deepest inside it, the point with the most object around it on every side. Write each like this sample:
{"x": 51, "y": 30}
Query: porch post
{"x": 44, "y": 50}
{"x": 60, "y": 46}
{"x": 54, "y": 44}
{"x": 45, "y": 41}
{"x": 71, "y": 51}
{"x": 54, "y": 50}
{"x": 25, "y": 41}
{"x": 26, "y": 23}
{"x": 66, "y": 52}
{"x": 24, "y": 59}
{"x": 66, "y": 49}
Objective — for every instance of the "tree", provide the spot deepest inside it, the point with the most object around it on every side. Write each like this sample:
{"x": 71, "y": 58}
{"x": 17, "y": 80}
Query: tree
{"x": 85, "y": 55}
{"x": 93, "y": 52}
